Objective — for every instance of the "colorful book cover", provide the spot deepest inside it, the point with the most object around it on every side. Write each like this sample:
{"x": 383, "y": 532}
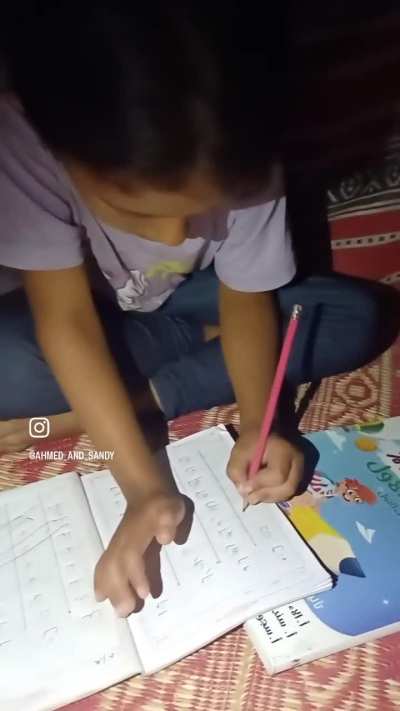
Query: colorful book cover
{"x": 350, "y": 516}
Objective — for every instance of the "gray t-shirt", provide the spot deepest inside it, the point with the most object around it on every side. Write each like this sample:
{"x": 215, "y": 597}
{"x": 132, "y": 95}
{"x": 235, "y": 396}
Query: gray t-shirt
{"x": 45, "y": 225}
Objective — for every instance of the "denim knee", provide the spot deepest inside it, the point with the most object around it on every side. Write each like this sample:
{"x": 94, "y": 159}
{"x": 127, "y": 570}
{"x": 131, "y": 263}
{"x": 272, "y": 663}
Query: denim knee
{"x": 27, "y": 386}
{"x": 14, "y": 369}
{"x": 346, "y": 323}
{"x": 384, "y": 315}
{"x": 375, "y": 311}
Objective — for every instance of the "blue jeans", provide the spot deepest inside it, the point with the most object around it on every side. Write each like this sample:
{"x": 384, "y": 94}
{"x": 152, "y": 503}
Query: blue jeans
{"x": 345, "y": 324}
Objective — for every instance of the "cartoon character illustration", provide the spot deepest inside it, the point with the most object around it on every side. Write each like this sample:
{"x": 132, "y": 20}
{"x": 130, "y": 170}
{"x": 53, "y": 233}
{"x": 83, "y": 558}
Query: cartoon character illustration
{"x": 129, "y": 295}
{"x": 331, "y": 547}
{"x": 354, "y": 492}
{"x": 321, "y": 489}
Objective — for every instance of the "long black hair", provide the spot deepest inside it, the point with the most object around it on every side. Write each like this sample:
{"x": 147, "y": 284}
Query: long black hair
{"x": 154, "y": 88}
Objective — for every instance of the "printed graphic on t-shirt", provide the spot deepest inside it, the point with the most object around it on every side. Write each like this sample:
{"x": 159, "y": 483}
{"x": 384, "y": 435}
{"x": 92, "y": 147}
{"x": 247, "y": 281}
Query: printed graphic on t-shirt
{"x": 164, "y": 269}
{"x": 130, "y": 296}
{"x": 148, "y": 291}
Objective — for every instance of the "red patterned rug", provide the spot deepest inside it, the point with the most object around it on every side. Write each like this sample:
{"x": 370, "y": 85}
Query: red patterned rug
{"x": 227, "y": 675}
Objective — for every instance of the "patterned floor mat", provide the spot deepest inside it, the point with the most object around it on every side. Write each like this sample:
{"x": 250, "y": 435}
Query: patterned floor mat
{"x": 227, "y": 675}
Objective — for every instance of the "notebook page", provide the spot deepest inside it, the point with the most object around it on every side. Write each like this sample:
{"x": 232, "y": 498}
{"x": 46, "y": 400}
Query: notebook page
{"x": 234, "y": 564}
{"x": 56, "y": 642}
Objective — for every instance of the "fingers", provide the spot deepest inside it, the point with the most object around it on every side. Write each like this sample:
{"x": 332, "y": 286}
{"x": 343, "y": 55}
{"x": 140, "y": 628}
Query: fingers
{"x": 121, "y": 574}
{"x": 168, "y": 522}
{"x": 184, "y": 528}
{"x": 123, "y": 583}
{"x": 237, "y": 469}
{"x": 111, "y": 583}
{"x": 137, "y": 576}
{"x": 273, "y": 487}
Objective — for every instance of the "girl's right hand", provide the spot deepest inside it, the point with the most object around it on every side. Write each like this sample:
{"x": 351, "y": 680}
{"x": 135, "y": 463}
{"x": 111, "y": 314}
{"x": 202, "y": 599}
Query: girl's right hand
{"x": 120, "y": 573}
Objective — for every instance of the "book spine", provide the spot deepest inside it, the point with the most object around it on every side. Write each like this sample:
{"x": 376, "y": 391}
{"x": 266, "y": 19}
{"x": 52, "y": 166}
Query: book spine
{"x": 292, "y": 635}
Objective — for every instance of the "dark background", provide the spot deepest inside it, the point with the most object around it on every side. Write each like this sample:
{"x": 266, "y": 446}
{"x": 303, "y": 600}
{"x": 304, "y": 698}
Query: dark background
{"x": 342, "y": 99}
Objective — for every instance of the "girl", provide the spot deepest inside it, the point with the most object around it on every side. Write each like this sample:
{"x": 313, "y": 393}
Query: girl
{"x": 143, "y": 213}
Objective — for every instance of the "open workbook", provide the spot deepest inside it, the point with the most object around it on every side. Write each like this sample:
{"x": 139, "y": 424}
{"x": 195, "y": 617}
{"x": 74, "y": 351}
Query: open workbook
{"x": 57, "y": 644}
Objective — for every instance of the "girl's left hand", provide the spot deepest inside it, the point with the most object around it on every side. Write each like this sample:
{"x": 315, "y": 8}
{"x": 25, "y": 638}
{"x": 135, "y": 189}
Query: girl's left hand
{"x": 281, "y": 472}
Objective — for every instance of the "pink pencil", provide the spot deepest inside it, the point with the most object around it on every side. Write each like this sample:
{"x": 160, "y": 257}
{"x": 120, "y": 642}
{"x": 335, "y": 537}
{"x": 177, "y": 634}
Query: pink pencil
{"x": 275, "y": 393}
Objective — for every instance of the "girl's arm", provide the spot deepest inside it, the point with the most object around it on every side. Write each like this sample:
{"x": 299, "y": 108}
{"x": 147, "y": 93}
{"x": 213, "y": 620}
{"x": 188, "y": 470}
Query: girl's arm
{"x": 249, "y": 333}
{"x": 71, "y": 337}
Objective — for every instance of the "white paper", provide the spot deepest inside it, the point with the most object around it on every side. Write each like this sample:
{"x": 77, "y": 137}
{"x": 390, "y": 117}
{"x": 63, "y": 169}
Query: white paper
{"x": 293, "y": 634}
{"x": 56, "y": 642}
{"x": 233, "y": 566}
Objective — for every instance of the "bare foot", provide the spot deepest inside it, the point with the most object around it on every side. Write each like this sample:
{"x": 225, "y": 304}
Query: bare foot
{"x": 15, "y": 435}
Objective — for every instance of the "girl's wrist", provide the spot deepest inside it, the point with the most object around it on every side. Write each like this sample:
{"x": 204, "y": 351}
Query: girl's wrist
{"x": 248, "y": 426}
{"x": 138, "y": 482}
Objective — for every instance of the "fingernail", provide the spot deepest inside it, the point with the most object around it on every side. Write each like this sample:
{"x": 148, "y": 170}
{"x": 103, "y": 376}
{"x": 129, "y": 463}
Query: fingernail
{"x": 164, "y": 537}
{"x": 142, "y": 591}
{"x": 99, "y": 597}
{"x": 244, "y": 489}
{"x": 122, "y": 610}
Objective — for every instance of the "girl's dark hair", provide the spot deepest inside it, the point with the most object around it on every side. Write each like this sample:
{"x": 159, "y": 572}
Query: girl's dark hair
{"x": 154, "y": 88}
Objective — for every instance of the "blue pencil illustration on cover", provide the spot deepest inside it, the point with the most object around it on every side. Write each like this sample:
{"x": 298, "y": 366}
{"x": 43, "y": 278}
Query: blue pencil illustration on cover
{"x": 330, "y": 546}
{"x": 350, "y": 516}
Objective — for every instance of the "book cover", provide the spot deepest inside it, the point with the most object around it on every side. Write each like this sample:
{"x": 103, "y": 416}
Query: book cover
{"x": 350, "y": 516}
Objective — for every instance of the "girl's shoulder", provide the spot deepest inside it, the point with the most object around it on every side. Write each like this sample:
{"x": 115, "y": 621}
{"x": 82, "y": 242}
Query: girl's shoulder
{"x": 15, "y": 125}
{"x": 11, "y": 100}
{"x": 37, "y": 227}
{"x": 25, "y": 161}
